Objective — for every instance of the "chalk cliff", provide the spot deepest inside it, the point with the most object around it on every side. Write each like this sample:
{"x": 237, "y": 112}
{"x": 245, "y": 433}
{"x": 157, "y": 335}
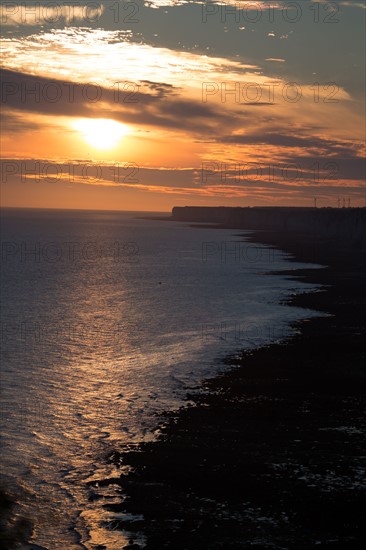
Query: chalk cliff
{"x": 346, "y": 226}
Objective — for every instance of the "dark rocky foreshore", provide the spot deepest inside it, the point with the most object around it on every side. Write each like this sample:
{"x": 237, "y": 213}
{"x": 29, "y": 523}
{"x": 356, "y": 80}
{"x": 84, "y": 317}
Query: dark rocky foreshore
{"x": 272, "y": 453}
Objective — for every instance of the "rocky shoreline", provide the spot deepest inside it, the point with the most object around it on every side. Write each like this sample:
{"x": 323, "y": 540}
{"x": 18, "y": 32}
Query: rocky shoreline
{"x": 272, "y": 452}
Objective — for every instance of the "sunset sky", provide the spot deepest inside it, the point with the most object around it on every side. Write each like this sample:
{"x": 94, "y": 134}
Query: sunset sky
{"x": 143, "y": 105}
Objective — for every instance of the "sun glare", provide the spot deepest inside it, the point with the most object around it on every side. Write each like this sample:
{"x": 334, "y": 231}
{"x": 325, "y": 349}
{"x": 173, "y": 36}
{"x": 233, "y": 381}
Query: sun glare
{"x": 101, "y": 133}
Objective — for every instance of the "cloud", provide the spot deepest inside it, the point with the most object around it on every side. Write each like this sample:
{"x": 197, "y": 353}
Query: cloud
{"x": 107, "y": 57}
{"x": 244, "y": 4}
{"x": 281, "y": 140}
{"x": 346, "y": 3}
{"x": 49, "y": 177}
{"x": 13, "y": 123}
{"x": 151, "y": 104}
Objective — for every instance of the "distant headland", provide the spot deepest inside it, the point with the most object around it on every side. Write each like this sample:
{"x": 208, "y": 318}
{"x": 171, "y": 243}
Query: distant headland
{"x": 346, "y": 226}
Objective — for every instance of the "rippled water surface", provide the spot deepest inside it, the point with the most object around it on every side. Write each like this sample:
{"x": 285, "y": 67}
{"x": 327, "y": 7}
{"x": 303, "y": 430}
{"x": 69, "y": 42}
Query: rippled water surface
{"x": 107, "y": 320}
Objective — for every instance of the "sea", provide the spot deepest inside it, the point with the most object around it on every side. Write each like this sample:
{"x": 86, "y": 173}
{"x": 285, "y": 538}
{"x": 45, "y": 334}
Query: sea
{"x": 108, "y": 320}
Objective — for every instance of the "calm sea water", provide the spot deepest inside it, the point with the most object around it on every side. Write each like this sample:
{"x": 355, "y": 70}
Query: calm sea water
{"x": 108, "y": 320}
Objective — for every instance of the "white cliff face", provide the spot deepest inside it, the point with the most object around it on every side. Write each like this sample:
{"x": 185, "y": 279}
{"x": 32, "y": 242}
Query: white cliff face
{"x": 344, "y": 226}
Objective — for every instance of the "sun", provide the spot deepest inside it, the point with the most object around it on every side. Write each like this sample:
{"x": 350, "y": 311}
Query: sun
{"x": 101, "y": 133}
